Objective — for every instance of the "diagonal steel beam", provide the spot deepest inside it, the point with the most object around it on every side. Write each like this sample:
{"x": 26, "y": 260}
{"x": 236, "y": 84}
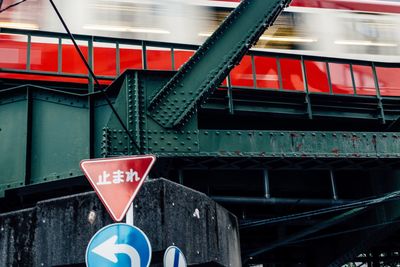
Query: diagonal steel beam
{"x": 176, "y": 102}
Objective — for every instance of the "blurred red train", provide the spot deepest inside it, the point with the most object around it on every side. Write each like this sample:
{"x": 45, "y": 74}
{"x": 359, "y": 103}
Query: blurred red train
{"x": 380, "y": 6}
{"x": 366, "y": 30}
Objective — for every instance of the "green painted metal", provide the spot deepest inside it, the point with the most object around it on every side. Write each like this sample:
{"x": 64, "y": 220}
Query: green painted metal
{"x": 49, "y": 132}
{"x": 135, "y": 96}
{"x": 45, "y": 133}
{"x": 176, "y": 102}
{"x": 60, "y": 134}
{"x": 299, "y": 144}
{"x": 13, "y": 128}
{"x": 132, "y": 103}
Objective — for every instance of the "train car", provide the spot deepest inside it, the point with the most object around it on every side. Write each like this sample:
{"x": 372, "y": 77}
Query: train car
{"x": 318, "y": 27}
{"x": 342, "y": 29}
{"x": 338, "y": 28}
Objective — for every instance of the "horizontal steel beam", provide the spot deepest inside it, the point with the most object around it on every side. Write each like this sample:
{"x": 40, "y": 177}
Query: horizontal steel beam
{"x": 279, "y": 201}
{"x": 287, "y": 144}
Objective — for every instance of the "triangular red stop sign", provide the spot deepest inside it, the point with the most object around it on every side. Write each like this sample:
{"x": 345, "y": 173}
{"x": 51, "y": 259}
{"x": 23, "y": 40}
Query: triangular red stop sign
{"x": 117, "y": 180}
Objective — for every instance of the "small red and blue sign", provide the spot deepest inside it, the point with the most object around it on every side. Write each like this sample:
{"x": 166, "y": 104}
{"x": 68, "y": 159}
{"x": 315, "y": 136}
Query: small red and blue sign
{"x": 174, "y": 257}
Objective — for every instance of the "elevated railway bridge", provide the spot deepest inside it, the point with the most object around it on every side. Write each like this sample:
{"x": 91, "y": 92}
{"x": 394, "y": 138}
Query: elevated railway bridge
{"x": 304, "y": 150}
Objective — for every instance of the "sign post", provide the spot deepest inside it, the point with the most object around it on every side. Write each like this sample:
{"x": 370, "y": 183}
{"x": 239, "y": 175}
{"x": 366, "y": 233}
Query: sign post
{"x": 129, "y": 215}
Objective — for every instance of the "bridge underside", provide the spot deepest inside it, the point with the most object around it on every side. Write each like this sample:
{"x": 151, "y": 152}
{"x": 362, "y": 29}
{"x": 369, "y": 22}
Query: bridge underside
{"x": 307, "y": 190}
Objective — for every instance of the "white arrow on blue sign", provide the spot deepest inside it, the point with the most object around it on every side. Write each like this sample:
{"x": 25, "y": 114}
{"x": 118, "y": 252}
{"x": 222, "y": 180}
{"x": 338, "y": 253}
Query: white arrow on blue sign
{"x": 174, "y": 257}
{"x": 119, "y": 245}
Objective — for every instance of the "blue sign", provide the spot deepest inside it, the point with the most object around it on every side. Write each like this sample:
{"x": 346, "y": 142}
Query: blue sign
{"x": 119, "y": 245}
{"x": 174, "y": 257}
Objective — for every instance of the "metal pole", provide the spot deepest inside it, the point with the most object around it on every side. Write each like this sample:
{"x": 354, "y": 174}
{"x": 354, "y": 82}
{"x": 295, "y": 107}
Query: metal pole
{"x": 280, "y": 77}
{"x": 230, "y": 96}
{"x": 254, "y": 71}
{"x": 333, "y": 184}
{"x": 129, "y": 215}
{"x": 266, "y": 184}
{"x": 328, "y": 73}
{"x": 180, "y": 176}
{"x": 378, "y": 94}
{"x": 28, "y": 53}
{"x": 305, "y": 82}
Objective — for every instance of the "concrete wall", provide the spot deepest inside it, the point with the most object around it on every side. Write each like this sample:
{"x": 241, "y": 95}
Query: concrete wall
{"x": 56, "y": 232}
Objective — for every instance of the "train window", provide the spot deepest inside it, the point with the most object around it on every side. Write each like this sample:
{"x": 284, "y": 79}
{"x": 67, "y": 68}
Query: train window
{"x": 389, "y": 81}
{"x": 266, "y": 72}
{"x": 130, "y": 57}
{"x": 13, "y": 51}
{"x": 44, "y": 54}
{"x": 105, "y": 59}
{"x": 159, "y": 58}
{"x": 341, "y": 78}
{"x": 181, "y": 56}
{"x": 71, "y": 61}
{"x": 317, "y": 76}
{"x": 292, "y": 75}
{"x": 369, "y": 34}
{"x": 242, "y": 74}
{"x": 364, "y": 80}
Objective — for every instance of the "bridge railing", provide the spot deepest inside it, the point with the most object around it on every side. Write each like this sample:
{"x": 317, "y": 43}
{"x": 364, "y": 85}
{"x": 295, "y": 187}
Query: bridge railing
{"x": 38, "y": 55}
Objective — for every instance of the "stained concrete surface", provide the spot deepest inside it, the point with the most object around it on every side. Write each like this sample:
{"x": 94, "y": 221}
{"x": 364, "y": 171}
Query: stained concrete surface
{"x": 56, "y": 232}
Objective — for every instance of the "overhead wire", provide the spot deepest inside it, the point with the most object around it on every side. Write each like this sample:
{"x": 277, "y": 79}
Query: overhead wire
{"x": 387, "y": 197}
{"x": 292, "y": 242}
{"x": 94, "y": 77}
{"x": 302, "y": 234}
{"x": 366, "y": 227}
{"x": 47, "y": 89}
{"x": 9, "y": 6}
{"x": 86, "y": 65}
{"x": 356, "y": 208}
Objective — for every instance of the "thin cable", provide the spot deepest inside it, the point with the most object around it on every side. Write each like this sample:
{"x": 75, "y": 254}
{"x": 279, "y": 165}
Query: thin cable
{"x": 295, "y": 238}
{"x": 371, "y": 226}
{"x": 344, "y": 232}
{"x": 94, "y": 76}
{"x": 374, "y": 201}
{"x": 47, "y": 89}
{"x": 328, "y": 223}
{"x": 10, "y": 6}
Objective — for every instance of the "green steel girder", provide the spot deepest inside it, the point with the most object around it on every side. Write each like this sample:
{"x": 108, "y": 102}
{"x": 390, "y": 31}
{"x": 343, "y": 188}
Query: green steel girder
{"x": 191, "y": 141}
{"x": 45, "y": 133}
{"x": 48, "y": 133}
{"x": 132, "y": 103}
{"x": 176, "y": 102}
{"x": 13, "y": 126}
{"x": 299, "y": 144}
